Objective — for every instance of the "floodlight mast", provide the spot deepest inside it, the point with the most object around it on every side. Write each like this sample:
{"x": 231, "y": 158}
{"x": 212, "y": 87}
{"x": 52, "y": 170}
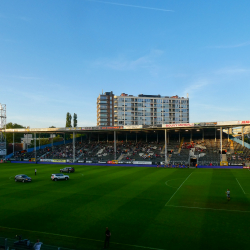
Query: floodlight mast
{"x": 2, "y": 121}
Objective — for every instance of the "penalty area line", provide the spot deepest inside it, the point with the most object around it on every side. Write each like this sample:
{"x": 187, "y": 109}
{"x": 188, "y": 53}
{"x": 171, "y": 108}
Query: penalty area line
{"x": 207, "y": 208}
{"x": 177, "y": 190}
{"x": 74, "y": 237}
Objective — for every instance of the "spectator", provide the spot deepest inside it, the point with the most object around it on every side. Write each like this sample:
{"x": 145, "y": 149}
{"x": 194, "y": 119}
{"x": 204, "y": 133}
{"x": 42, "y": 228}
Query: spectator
{"x": 37, "y": 245}
{"x": 107, "y": 237}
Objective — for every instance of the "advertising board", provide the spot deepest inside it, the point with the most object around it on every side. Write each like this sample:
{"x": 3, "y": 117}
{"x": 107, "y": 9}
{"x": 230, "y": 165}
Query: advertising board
{"x": 205, "y": 123}
{"x": 178, "y": 125}
{"x": 103, "y": 128}
{"x": 58, "y": 160}
{"x": 228, "y": 123}
{"x": 247, "y": 122}
{"x": 143, "y": 162}
{"x": 133, "y": 127}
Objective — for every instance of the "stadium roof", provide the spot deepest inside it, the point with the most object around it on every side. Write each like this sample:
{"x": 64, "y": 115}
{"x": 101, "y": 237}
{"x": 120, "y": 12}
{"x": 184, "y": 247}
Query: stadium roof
{"x": 197, "y": 125}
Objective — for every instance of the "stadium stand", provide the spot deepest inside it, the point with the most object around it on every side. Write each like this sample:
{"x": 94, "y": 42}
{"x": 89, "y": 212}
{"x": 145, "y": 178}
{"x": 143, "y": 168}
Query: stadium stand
{"x": 205, "y": 152}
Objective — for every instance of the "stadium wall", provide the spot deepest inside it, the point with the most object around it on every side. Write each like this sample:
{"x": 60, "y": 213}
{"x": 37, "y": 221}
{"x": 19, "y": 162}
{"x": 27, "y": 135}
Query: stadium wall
{"x": 123, "y": 165}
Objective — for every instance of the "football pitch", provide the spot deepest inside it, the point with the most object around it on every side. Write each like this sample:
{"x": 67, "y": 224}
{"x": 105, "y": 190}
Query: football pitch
{"x": 144, "y": 208}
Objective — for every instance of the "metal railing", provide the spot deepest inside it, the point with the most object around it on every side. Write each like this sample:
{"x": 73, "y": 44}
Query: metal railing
{"x": 19, "y": 244}
{"x": 247, "y": 145}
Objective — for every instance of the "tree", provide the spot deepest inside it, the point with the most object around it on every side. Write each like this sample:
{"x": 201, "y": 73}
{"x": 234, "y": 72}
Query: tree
{"x": 68, "y": 120}
{"x": 75, "y": 120}
{"x": 9, "y": 136}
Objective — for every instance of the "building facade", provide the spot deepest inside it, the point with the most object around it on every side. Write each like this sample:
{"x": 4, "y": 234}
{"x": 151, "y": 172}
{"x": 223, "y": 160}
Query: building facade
{"x": 142, "y": 110}
{"x": 105, "y": 109}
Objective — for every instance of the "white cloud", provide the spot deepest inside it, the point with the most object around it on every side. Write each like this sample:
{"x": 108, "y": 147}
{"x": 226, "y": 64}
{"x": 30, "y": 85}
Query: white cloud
{"x": 230, "y": 46}
{"x": 230, "y": 71}
{"x": 197, "y": 86}
{"x": 124, "y": 64}
{"x": 133, "y": 6}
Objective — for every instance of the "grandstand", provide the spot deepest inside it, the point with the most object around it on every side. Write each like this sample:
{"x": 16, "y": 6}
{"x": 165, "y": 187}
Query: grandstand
{"x": 202, "y": 152}
{"x": 189, "y": 144}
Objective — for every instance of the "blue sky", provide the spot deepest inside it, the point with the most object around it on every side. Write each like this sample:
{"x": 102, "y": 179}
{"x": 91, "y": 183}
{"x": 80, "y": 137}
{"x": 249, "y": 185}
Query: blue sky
{"x": 57, "y": 56}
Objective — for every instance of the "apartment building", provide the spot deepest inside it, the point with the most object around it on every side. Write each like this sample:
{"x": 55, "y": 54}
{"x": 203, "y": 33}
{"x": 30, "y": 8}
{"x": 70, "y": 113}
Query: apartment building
{"x": 142, "y": 110}
{"x": 105, "y": 109}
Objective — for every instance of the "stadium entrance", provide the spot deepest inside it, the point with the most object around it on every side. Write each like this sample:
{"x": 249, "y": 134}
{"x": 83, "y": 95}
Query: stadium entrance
{"x": 193, "y": 162}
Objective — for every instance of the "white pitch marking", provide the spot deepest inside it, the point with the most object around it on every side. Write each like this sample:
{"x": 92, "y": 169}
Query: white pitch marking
{"x": 240, "y": 186}
{"x": 172, "y": 180}
{"x": 177, "y": 190}
{"x": 206, "y": 208}
{"x": 68, "y": 236}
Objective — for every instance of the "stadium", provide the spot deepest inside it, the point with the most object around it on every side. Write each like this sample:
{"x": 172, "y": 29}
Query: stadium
{"x": 154, "y": 153}
{"x": 148, "y": 184}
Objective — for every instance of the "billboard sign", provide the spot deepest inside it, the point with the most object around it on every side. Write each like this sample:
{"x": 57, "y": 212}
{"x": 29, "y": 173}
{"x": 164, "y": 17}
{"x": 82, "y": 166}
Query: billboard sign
{"x": 58, "y": 160}
{"x": 234, "y": 123}
{"x": 133, "y": 127}
{"x": 205, "y": 123}
{"x": 245, "y": 122}
{"x": 178, "y": 125}
{"x": 103, "y": 128}
{"x": 46, "y": 160}
{"x": 142, "y": 162}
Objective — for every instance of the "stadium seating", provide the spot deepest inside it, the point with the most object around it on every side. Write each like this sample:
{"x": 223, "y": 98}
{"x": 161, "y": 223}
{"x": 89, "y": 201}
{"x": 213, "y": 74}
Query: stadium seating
{"x": 206, "y": 152}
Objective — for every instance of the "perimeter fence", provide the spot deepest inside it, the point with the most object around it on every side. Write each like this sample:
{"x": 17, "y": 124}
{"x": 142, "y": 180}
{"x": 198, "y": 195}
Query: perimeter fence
{"x": 25, "y": 244}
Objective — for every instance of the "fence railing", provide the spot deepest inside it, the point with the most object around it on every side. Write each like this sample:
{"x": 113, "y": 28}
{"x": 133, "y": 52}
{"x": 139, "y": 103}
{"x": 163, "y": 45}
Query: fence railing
{"x": 247, "y": 145}
{"x": 16, "y": 244}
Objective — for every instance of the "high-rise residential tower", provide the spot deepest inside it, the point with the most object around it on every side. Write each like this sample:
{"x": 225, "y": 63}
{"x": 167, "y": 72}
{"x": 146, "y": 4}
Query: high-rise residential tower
{"x": 105, "y": 109}
{"x": 141, "y": 110}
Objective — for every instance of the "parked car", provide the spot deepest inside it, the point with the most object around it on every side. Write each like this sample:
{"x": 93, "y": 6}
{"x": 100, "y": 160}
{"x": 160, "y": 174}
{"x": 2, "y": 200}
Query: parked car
{"x": 22, "y": 178}
{"x": 57, "y": 177}
{"x": 67, "y": 170}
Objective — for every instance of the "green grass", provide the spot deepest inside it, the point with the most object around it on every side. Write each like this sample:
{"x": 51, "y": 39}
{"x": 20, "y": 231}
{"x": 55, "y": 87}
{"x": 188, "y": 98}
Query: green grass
{"x": 145, "y": 208}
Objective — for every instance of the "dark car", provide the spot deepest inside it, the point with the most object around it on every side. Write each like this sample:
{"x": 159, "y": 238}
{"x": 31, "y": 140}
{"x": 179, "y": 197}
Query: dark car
{"x": 67, "y": 170}
{"x": 22, "y": 178}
